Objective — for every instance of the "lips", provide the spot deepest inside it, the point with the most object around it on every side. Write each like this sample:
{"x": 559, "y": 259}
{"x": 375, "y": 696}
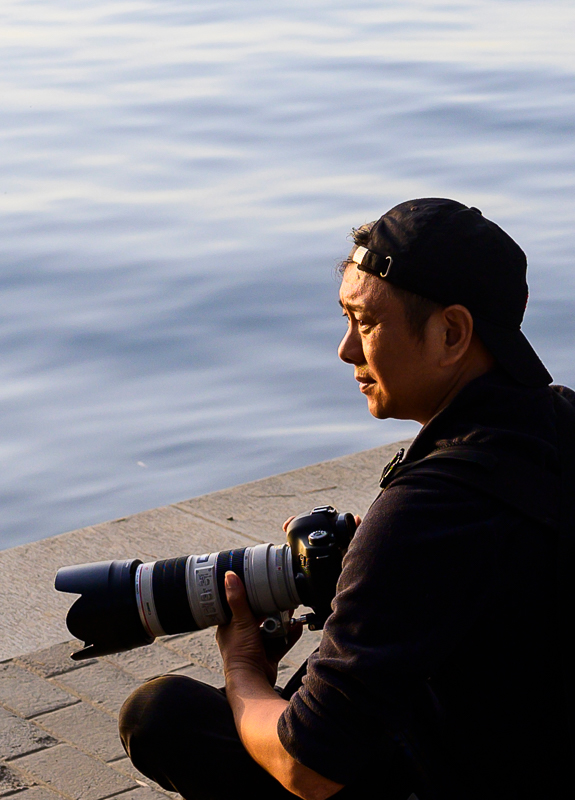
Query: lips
{"x": 364, "y": 382}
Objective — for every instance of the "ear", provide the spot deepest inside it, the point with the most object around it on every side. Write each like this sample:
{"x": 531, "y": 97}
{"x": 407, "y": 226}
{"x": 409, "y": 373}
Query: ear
{"x": 455, "y": 328}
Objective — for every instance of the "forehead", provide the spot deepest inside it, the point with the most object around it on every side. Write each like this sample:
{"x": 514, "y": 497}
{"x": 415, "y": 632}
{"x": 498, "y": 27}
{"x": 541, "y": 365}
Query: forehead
{"x": 360, "y": 290}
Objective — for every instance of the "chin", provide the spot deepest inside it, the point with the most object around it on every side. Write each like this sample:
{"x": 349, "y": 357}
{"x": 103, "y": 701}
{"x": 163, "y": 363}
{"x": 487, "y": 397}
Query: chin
{"x": 383, "y": 415}
{"x": 379, "y": 410}
{"x": 384, "y": 409}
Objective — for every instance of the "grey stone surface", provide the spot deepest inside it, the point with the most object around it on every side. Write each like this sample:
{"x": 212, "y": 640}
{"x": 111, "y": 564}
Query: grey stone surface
{"x": 58, "y": 718}
{"x": 141, "y": 793}
{"x": 10, "y": 781}
{"x": 27, "y": 694}
{"x": 72, "y": 773}
{"x": 102, "y": 684}
{"x": 92, "y": 730}
{"x": 198, "y": 648}
{"x": 146, "y": 662}
{"x": 125, "y": 767}
{"x": 202, "y": 674}
{"x": 38, "y": 793}
{"x": 20, "y": 736}
{"x": 54, "y": 660}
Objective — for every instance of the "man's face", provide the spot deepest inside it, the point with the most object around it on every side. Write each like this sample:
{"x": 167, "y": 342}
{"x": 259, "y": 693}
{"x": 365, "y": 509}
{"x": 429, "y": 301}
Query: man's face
{"x": 394, "y": 369}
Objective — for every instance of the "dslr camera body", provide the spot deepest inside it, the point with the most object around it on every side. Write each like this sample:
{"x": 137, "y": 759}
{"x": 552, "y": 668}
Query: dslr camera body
{"x": 126, "y": 603}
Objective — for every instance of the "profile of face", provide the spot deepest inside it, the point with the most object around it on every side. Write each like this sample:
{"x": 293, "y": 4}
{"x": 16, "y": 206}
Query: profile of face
{"x": 395, "y": 370}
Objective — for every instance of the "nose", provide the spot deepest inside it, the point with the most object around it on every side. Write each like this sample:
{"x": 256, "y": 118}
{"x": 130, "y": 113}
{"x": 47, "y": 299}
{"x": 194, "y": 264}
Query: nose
{"x": 350, "y": 349}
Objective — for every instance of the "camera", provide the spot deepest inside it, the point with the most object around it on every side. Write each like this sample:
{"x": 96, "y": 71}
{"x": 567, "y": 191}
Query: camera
{"x": 126, "y": 603}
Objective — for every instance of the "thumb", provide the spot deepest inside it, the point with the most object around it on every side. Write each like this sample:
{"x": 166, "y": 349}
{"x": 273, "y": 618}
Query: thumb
{"x": 236, "y": 595}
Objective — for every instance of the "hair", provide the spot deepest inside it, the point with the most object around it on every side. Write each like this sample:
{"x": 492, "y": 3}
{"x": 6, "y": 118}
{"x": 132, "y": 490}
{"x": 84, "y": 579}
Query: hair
{"x": 417, "y": 309}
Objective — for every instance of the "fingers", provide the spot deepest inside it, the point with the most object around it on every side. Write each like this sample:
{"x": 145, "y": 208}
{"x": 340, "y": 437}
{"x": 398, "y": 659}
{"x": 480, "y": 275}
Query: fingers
{"x": 357, "y": 521}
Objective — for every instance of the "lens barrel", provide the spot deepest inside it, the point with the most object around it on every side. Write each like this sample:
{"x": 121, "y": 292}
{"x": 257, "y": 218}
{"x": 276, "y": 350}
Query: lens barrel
{"x": 125, "y": 604}
{"x": 188, "y": 593}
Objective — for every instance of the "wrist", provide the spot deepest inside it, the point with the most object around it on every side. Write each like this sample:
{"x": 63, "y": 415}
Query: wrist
{"x": 248, "y": 679}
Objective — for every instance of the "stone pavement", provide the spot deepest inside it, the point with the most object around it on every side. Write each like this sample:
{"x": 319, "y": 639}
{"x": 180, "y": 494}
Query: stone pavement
{"x": 58, "y": 718}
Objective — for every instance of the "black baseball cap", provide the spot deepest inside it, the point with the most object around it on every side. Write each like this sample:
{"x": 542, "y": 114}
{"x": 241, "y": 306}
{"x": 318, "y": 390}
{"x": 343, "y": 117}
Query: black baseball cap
{"x": 449, "y": 253}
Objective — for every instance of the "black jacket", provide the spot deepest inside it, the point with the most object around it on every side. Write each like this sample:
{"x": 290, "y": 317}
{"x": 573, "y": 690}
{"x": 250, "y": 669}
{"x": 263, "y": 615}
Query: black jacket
{"x": 444, "y": 640}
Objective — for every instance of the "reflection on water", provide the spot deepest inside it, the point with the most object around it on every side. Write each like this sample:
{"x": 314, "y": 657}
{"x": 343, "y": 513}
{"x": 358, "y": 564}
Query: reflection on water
{"x": 178, "y": 179}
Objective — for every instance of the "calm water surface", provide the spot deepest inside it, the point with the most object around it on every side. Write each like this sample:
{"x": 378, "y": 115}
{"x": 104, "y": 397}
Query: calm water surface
{"x": 177, "y": 182}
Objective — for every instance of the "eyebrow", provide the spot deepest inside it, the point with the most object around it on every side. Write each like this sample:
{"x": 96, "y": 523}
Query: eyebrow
{"x": 352, "y": 306}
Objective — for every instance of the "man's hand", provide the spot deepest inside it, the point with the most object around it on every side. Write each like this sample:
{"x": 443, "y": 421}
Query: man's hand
{"x": 241, "y": 642}
{"x": 250, "y": 667}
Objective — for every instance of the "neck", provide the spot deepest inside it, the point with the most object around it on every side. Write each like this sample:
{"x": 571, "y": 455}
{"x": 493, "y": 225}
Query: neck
{"x": 477, "y": 362}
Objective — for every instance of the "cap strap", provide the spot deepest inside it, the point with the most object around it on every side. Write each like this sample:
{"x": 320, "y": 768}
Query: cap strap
{"x": 359, "y": 255}
{"x": 367, "y": 261}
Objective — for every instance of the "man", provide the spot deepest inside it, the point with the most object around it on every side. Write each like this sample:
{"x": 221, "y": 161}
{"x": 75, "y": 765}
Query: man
{"x": 439, "y": 674}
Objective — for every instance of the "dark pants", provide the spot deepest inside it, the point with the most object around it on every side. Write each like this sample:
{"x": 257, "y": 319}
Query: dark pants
{"x": 181, "y": 733}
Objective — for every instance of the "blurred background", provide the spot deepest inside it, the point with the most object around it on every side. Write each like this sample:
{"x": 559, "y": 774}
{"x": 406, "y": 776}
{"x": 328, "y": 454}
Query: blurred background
{"x": 177, "y": 182}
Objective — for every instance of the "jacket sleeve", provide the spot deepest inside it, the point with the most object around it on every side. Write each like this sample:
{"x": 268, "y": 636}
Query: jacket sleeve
{"x": 422, "y": 567}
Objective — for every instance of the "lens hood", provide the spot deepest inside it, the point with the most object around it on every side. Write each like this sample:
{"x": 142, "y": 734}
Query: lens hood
{"x": 105, "y": 616}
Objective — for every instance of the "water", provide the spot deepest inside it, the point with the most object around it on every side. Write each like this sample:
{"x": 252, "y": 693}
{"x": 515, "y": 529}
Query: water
{"x": 177, "y": 181}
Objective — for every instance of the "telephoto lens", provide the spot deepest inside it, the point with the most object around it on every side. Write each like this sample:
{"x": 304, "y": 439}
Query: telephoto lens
{"x": 126, "y": 604}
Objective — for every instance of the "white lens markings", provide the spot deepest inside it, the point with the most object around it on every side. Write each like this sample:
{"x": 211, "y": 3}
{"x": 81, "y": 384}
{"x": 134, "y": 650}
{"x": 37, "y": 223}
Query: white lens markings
{"x": 145, "y": 599}
{"x": 202, "y": 590}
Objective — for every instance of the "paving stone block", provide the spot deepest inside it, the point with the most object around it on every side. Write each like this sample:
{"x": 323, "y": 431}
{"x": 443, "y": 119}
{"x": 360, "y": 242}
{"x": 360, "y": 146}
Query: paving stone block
{"x": 141, "y": 793}
{"x": 74, "y": 774}
{"x": 39, "y": 793}
{"x": 199, "y": 647}
{"x": 54, "y": 660}
{"x": 28, "y": 694}
{"x": 200, "y": 673}
{"x": 100, "y": 683}
{"x": 10, "y": 780}
{"x": 19, "y": 736}
{"x": 304, "y": 647}
{"x": 87, "y": 727}
{"x": 147, "y": 662}
{"x": 285, "y": 672}
{"x": 125, "y": 767}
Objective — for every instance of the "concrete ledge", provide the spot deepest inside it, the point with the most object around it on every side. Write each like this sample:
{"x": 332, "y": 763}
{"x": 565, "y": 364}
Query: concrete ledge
{"x": 33, "y": 613}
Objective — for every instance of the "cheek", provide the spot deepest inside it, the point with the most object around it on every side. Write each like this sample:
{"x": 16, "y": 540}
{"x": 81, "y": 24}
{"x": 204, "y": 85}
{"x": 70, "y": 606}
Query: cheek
{"x": 390, "y": 363}
{"x": 379, "y": 361}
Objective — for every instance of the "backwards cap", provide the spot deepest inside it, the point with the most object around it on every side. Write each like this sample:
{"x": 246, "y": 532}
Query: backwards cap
{"x": 449, "y": 253}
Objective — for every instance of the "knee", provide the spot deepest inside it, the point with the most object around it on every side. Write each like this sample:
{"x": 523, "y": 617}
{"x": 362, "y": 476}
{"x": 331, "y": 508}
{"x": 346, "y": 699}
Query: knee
{"x": 148, "y": 713}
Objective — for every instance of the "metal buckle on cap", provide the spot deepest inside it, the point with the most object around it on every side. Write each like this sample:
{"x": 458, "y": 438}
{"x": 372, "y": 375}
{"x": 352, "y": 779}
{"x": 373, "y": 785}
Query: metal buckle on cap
{"x": 359, "y": 257}
{"x": 389, "y": 260}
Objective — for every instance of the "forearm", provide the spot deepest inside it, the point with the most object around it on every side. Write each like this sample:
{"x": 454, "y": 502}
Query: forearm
{"x": 257, "y": 709}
